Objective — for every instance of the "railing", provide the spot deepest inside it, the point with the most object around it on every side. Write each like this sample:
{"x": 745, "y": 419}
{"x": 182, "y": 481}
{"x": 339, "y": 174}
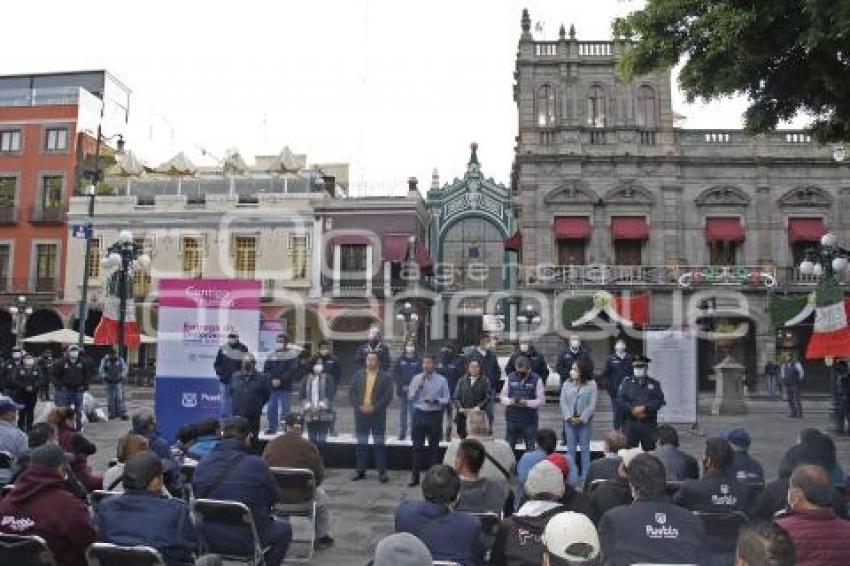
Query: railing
{"x": 554, "y": 276}
{"x": 595, "y": 48}
{"x": 8, "y": 216}
{"x": 51, "y": 215}
{"x": 793, "y": 276}
{"x": 647, "y": 137}
{"x": 597, "y": 137}
{"x": 48, "y": 96}
{"x": 546, "y": 49}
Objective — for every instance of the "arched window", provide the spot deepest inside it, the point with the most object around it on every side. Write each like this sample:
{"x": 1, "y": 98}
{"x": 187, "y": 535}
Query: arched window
{"x": 645, "y": 114}
{"x": 596, "y": 107}
{"x": 546, "y": 106}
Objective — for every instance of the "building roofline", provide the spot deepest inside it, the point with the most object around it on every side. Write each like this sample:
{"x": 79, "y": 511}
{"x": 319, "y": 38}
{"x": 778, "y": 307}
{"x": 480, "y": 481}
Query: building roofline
{"x": 76, "y": 72}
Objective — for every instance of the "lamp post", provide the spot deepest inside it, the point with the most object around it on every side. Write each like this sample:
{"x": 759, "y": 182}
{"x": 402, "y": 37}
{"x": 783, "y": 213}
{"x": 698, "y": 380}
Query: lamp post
{"x": 528, "y": 316}
{"x": 126, "y": 257}
{"x": 827, "y": 261}
{"x": 708, "y": 307}
{"x": 21, "y": 310}
{"x": 408, "y": 316}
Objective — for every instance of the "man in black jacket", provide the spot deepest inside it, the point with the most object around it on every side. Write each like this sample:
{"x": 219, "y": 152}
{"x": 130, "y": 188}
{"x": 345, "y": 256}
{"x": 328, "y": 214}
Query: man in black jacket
{"x": 680, "y": 466}
{"x": 614, "y": 492}
{"x": 640, "y": 398}
{"x": 249, "y": 392}
{"x": 489, "y": 368}
{"x": 573, "y": 353}
{"x": 373, "y": 344}
{"x": 281, "y": 371}
{"x": 227, "y": 362}
{"x": 72, "y": 380}
{"x": 370, "y": 394}
{"x": 538, "y": 362}
{"x": 652, "y": 529}
{"x": 618, "y": 367}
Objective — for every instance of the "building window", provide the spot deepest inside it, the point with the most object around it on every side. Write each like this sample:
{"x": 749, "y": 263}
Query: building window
{"x": 141, "y": 280}
{"x": 5, "y": 265}
{"x": 8, "y": 187}
{"x": 723, "y": 253}
{"x": 46, "y": 257}
{"x": 646, "y": 117}
{"x": 10, "y": 141}
{"x": 298, "y": 256}
{"x": 596, "y": 107}
{"x": 572, "y": 252}
{"x": 246, "y": 257}
{"x": 56, "y": 139}
{"x": 627, "y": 252}
{"x": 51, "y": 192}
{"x": 93, "y": 262}
{"x": 545, "y": 106}
{"x": 192, "y": 257}
{"x": 352, "y": 265}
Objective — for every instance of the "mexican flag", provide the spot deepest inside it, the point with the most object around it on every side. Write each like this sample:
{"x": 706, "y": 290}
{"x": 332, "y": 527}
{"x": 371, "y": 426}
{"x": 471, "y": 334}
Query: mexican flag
{"x": 106, "y": 332}
{"x": 831, "y": 337}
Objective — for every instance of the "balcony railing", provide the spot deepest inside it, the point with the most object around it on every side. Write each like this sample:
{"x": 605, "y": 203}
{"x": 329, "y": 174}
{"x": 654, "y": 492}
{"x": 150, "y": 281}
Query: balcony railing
{"x": 558, "y": 276}
{"x": 8, "y": 216}
{"x": 47, "y": 215}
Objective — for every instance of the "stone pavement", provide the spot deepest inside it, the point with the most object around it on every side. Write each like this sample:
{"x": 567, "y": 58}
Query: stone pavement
{"x": 362, "y": 512}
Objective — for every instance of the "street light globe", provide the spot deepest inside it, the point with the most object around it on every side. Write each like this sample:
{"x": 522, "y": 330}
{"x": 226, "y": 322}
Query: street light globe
{"x": 828, "y": 239}
{"x": 818, "y": 270}
{"x": 399, "y": 317}
{"x": 839, "y": 264}
{"x": 806, "y": 268}
{"x": 114, "y": 261}
{"x": 125, "y": 236}
{"x": 13, "y": 309}
{"x": 521, "y": 319}
{"x": 22, "y": 299}
{"x": 407, "y": 306}
{"x": 28, "y": 310}
{"x": 414, "y": 317}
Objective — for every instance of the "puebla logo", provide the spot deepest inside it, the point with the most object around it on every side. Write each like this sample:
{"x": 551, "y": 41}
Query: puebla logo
{"x": 190, "y": 400}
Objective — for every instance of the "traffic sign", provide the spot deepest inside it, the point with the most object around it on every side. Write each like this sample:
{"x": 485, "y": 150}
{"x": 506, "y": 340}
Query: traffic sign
{"x": 82, "y": 231}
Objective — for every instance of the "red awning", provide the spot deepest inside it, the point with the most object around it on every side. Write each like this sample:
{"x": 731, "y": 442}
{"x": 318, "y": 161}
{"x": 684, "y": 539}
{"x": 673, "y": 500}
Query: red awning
{"x": 724, "y": 230}
{"x": 514, "y": 243}
{"x": 423, "y": 258}
{"x": 343, "y": 239}
{"x": 629, "y": 228}
{"x": 572, "y": 228}
{"x": 805, "y": 230}
{"x": 395, "y": 248}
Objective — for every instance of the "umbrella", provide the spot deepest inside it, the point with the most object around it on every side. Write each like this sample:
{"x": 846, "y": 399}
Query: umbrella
{"x": 63, "y": 336}
{"x": 178, "y": 166}
{"x": 127, "y": 167}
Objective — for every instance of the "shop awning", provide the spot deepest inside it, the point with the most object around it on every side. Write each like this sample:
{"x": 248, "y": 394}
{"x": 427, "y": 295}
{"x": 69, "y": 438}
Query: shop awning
{"x": 514, "y": 243}
{"x": 572, "y": 228}
{"x": 805, "y": 230}
{"x": 395, "y": 248}
{"x": 629, "y": 228}
{"x": 724, "y": 230}
{"x": 423, "y": 258}
{"x": 343, "y": 239}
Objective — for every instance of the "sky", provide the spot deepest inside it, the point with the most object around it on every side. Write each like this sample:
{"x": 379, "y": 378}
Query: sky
{"x": 393, "y": 87}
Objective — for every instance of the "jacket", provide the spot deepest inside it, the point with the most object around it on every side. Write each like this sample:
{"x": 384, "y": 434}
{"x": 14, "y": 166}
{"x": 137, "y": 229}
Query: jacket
{"x": 452, "y": 368}
{"x": 821, "y": 538}
{"x": 404, "y": 370}
{"x": 449, "y": 535}
{"x": 538, "y": 362}
{"x": 73, "y": 375}
{"x": 325, "y": 390}
{"x": 290, "y": 450}
{"x": 281, "y": 370}
{"x": 228, "y": 361}
{"x": 716, "y": 493}
{"x": 651, "y": 530}
{"x": 40, "y": 505}
{"x": 774, "y": 498}
{"x": 231, "y": 472}
{"x": 636, "y": 391}
{"x": 202, "y": 446}
{"x": 608, "y": 495}
{"x": 249, "y": 393}
{"x": 576, "y": 501}
{"x": 157, "y": 443}
{"x": 519, "y": 540}
{"x": 566, "y": 359}
{"x": 80, "y": 465}
{"x": 578, "y": 401}
{"x": 382, "y": 392}
{"x": 113, "y": 371}
{"x": 6, "y": 376}
{"x": 47, "y": 366}
{"x": 13, "y": 441}
{"x": 468, "y": 395}
{"x": 483, "y": 496}
{"x": 605, "y": 468}
{"x": 489, "y": 365}
{"x": 24, "y": 383}
{"x": 680, "y": 466}
{"x": 384, "y": 360}
{"x": 746, "y": 468}
{"x": 616, "y": 370}
{"x": 139, "y": 517}
{"x": 500, "y": 451}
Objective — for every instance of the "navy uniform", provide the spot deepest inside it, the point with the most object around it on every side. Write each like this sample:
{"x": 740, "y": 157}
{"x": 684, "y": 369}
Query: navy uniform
{"x": 617, "y": 369}
{"x": 636, "y": 391}
{"x": 72, "y": 380}
{"x": 538, "y": 362}
{"x": 25, "y": 381}
{"x": 567, "y": 357}
{"x": 47, "y": 365}
{"x": 450, "y": 365}
{"x": 373, "y": 345}
{"x": 10, "y": 366}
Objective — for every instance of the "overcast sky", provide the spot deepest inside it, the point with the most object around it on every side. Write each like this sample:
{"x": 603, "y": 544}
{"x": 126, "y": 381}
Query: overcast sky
{"x": 394, "y": 87}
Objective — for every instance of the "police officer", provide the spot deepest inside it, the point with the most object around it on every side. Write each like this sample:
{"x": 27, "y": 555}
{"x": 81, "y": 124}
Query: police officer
{"x": 538, "y": 362}
{"x": 72, "y": 380}
{"x": 640, "y": 398}
{"x": 373, "y": 344}
{"x": 792, "y": 375}
{"x": 331, "y": 367}
{"x": 9, "y": 368}
{"x": 249, "y": 392}
{"x": 47, "y": 366}
{"x": 227, "y": 362}
{"x": 450, "y": 365}
{"x": 618, "y": 367}
{"x": 281, "y": 370}
{"x": 408, "y": 366}
{"x": 25, "y": 381}
{"x": 574, "y": 352}
{"x": 113, "y": 371}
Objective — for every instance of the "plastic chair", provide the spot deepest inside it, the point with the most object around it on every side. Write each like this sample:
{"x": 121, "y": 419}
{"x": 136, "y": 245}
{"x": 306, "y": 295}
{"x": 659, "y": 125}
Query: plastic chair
{"x": 231, "y": 514}
{"x": 25, "y": 551}
{"x": 297, "y": 498}
{"x": 105, "y": 554}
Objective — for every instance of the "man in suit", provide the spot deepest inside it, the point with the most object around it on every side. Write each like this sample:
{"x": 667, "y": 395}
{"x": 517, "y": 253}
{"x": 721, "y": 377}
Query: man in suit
{"x": 370, "y": 394}
{"x": 373, "y": 344}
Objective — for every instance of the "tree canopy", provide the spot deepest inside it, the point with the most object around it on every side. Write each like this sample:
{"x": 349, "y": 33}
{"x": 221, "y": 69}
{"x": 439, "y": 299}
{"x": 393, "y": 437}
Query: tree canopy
{"x": 785, "y": 56}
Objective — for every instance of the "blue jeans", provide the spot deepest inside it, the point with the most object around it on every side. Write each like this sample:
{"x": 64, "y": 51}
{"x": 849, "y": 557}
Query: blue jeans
{"x": 115, "y": 400}
{"x": 794, "y": 402}
{"x": 226, "y": 401}
{"x": 405, "y": 414}
{"x": 579, "y": 436}
{"x": 280, "y": 402}
{"x": 772, "y": 384}
{"x": 364, "y": 425}
{"x": 67, "y": 398}
{"x": 526, "y": 431}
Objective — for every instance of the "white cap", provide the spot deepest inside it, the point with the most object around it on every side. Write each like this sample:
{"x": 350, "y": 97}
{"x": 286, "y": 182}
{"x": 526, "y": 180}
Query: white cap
{"x": 628, "y": 454}
{"x": 571, "y": 536}
{"x": 545, "y": 477}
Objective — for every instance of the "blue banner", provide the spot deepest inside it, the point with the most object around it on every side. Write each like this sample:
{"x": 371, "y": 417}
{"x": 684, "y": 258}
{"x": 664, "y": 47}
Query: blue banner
{"x": 182, "y": 400}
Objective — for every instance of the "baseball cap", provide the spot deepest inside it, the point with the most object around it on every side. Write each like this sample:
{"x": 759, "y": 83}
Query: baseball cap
{"x": 571, "y": 536}
{"x": 739, "y": 437}
{"x": 402, "y": 549}
{"x": 545, "y": 477}
{"x": 628, "y": 454}
{"x": 8, "y": 404}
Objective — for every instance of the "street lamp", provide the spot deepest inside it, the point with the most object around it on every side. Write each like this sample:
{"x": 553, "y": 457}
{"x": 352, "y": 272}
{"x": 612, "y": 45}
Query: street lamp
{"x": 408, "y": 316}
{"x": 528, "y": 316}
{"x": 126, "y": 257}
{"x": 21, "y": 310}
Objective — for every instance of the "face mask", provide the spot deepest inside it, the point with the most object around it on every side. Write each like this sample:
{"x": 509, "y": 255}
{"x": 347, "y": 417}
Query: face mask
{"x": 446, "y": 351}
{"x": 324, "y": 352}
{"x": 619, "y": 348}
{"x": 640, "y": 372}
{"x": 29, "y": 363}
{"x": 73, "y": 355}
{"x": 574, "y": 344}
{"x": 317, "y": 369}
{"x": 523, "y": 347}
{"x": 574, "y": 375}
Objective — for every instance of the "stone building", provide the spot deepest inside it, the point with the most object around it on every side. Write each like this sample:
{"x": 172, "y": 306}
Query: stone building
{"x": 610, "y": 195}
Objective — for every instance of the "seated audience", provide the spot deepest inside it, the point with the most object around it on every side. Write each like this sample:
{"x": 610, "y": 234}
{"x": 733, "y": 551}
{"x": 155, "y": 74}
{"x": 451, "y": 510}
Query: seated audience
{"x": 819, "y": 536}
{"x": 290, "y": 450}
{"x": 652, "y": 529}
{"x": 232, "y": 473}
{"x": 605, "y": 468}
{"x": 448, "y": 534}
{"x": 616, "y": 492}
{"x": 764, "y": 543}
{"x": 570, "y": 539}
{"x": 81, "y": 449}
{"x": 744, "y": 467}
{"x": 144, "y": 424}
{"x": 500, "y": 461}
{"x": 518, "y": 540}
{"x": 545, "y": 443}
{"x": 402, "y": 549}
{"x": 40, "y": 504}
{"x": 680, "y": 466}
{"x": 12, "y": 440}
{"x": 64, "y": 420}
{"x": 477, "y": 494}
{"x": 40, "y": 435}
{"x": 813, "y": 447}
{"x": 196, "y": 440}
{"x": 128, "y": 446}
{"x": 142, "y": 515}
{"x": 572, "y": 500}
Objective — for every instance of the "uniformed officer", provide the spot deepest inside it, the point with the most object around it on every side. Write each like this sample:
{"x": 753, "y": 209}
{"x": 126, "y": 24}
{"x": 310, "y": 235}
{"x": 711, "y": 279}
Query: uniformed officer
{"x": 26, "y": 378}
{"x": 451, "y": 366}
{"x": 331, "y": 367}
{"x": 574, "y": 352}
{"x": 373, "y": 344}
{"x": 640, "y": 398}
{"x": 9, "y": 368}
{"x": 618, "y": 367}
{"x": 46, "y": 364}
{"x": 72, "y": 380}
{"x": 406, "y": 367}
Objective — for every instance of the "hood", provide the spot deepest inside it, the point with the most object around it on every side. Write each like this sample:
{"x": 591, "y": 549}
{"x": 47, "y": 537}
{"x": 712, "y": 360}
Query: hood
{"x": 35, "y": 480}
{"x": 535, "y": 509}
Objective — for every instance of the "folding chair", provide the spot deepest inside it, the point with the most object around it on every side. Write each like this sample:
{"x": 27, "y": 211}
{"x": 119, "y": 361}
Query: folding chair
{"x": 297, "y": 498}
{"x": 25, "y": 551}
{"x": 445, "y": 563}
{"x": 105, "y": 554}
{"x": 490, "y": 523}
{"x": 231, "y": 514}
{"x": 722, "y": 526}
{"x": 98, "y": 495}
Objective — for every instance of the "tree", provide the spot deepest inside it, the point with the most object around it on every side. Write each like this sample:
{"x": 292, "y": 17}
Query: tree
{"x": 786, "y": 56}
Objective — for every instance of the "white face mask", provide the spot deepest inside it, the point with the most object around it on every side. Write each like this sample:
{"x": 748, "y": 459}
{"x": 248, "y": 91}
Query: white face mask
{"x": 574, "y": 344}
{"x": 280, "y": 346}
{"x": 29, "y": 363}
{"x": 317, "y": 369}
{"x": 233, "y": 341}
{"x": 409, "y": 350}
{"x": 73, "y": 355}
{"x": 523, "y": 347}
{"x": 16, "y": 355}
{"x": 640, "y": 372}
{"x": 620, "y": 348}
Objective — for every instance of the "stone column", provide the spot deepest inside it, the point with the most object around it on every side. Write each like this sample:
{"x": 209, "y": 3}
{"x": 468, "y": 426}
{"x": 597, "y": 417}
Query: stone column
{"x": 728, "y": 388}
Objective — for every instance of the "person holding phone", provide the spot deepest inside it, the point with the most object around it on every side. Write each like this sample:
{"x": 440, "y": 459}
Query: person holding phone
{"x": 429, "y": 395}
